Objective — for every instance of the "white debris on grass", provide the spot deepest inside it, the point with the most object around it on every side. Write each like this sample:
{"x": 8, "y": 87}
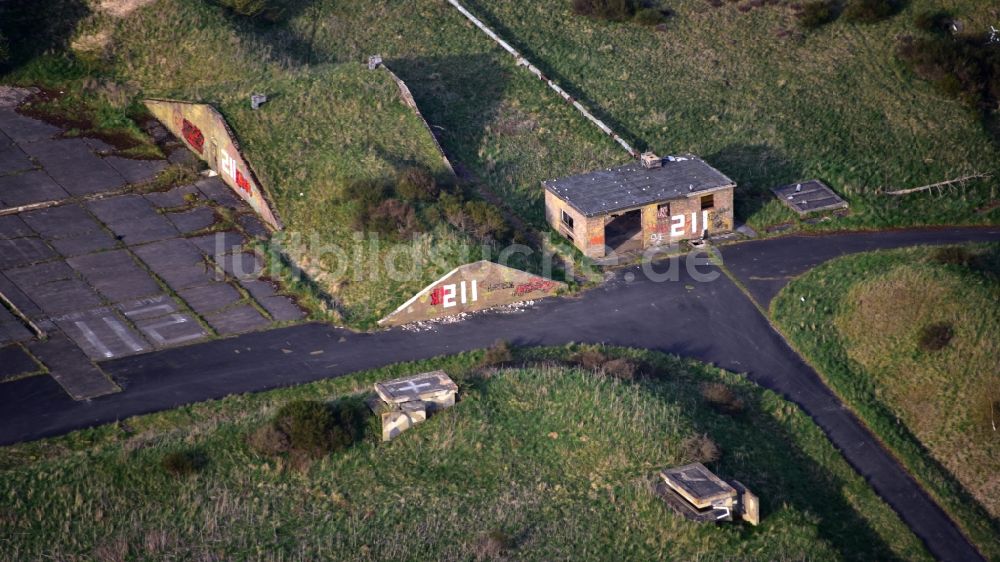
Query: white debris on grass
{"x": 425, "y": 325}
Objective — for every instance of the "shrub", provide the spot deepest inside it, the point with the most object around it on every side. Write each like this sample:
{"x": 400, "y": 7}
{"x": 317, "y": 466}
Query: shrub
{"x": 499, "y": 354}
{"x": 936, "y": 336}
{"x": 612, "y": 10}
{"x": 416, "y": 184}
{"x": 817, "y": 13}
{"x": 621, "y": 369}
{"x": 366, "y": 192}
{"x": 701, "y": 448}
{"x": 722, "y": 398}
{"x": 648, "y": 16}
{"x": 182, "y": 463}
{"x": 869, "y": 11}
{"x": 933, "y": 21}
{"x": 311, "y": 428}
{"x": 952, "y": 255}
{"x": 966, "y": 67}
{"x": 266, "y": 10}
{"x": 393, "y": 217}
{"x": 590, "y": 359}
{"x": 493, "y": 545}
{"x": 486, "y": 221}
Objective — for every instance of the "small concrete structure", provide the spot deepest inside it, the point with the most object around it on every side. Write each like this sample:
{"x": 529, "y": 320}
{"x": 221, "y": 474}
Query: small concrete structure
{"x": 404, "y": 402}
{"x": 652, "y": 202}
{"x": 694, "y": 492}
{"x": 809, "y": 197}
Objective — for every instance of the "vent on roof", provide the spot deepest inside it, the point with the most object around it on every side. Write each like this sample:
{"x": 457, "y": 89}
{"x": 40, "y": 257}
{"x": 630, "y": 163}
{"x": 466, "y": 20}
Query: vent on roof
{"x": 650, "y": 160}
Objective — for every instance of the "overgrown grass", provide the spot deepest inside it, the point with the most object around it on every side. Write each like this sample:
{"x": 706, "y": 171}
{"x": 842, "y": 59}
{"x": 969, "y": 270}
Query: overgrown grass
{"x": 553, "y": 462}
{"x": 908, "y": 339}
{"x": 769, "y": 106}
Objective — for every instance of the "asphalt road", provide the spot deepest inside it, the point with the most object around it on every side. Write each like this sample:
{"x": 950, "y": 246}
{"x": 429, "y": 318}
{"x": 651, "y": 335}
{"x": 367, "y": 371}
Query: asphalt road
{"x": 712, "y": 321}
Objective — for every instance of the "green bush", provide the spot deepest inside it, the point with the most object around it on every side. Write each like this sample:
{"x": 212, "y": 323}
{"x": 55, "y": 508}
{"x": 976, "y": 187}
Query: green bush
{"x": 311, "y": 428}
{"x": 936, "y": 336}
{"x": 933, "y": 21}
{"x": 182, "y": 463}
{"x": 869, "y": 11}
{"x": 817, "y": 13}
{"x": 590, "y": 359}
{"x": 486, "y": 221}
{"x": 952, "y": 255}
{"x": 648, "y": 16}
{"x": 266, "y": 10}
{"x": 417, "y": 184}
{"x": 966, "y": 67}
{"x": 611, "y": 10}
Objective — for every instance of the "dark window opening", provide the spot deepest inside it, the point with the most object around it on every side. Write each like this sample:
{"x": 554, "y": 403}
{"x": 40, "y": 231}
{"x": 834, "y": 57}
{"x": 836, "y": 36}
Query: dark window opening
{"x": 663, "y": 212}
{"x": 567, "y": 220}
{"x": 707, "y": 202}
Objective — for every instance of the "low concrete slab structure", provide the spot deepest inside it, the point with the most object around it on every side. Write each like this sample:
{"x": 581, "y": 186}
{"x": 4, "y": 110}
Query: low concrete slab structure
{"x": 694, "y": 492}
{"x": 809, "y": 197}
{"x": 404, "y": 402}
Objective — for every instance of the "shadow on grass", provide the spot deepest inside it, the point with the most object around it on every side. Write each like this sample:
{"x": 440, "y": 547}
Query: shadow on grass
{"x": 34, "y": 27}
{"x": 755, "y": 169}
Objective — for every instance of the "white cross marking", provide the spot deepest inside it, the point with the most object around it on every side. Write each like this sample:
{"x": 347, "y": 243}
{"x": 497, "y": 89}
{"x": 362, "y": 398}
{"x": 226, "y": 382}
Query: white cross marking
{"x": 411, "y": 386}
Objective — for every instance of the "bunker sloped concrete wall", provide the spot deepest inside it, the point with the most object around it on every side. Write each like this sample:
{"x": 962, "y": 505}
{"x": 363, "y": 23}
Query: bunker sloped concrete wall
{"x": 472, "y": 287}
{"x": 206, "y": 133}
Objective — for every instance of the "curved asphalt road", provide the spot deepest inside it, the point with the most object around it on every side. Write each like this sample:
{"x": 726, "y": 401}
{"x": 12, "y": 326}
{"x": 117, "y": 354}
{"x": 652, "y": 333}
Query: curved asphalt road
{"x": 710, "y": 321}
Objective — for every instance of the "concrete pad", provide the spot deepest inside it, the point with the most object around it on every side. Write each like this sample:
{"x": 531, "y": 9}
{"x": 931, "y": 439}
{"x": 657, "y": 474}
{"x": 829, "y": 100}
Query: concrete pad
{"x": 29, "y": 187}
{"x": 71, "y": 368}
{"x": 237, "y": 320}
{"x": 64, "y": 221}
{"x": 20, "y": 252}
{"x": 219, "y": 243}
{"x": 174, "y": 197}
{"x": 62, "y": 297}
{"x": 115, "y": 275}
{"x": 20, "y": 300}
{"x": 177, "y": 262}
{"x": 133, "y": 219}
{"x": 102, "y": 334}
{"x": 146, "y": 308}
{"x": 25, "y": 129}
{"x": 207, "y": 299}
{"x": 252, "y": 225}
{"x": 173, "y": 329}
{"x": 244, "y": 265}
{"x": 13, "y": 160}
{"x": 11, "y": 330}
{"x": 260, "y": 289}
{"x": 136, "y": 171}
{"x": 218, "y": 192}
{"x": 282, "y": 308}
{"x": 41, "y": 273}
{"x": 12, "y": 226}
{"x": 74, "y": 166}
{"x": 81, "y": 245}
{"x": 15, "y": 361}
{"x": 194, "y": 220}
{"x": 97, "y": 145}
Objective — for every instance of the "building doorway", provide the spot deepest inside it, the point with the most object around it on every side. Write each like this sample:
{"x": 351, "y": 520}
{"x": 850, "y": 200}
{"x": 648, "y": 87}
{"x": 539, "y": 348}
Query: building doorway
{"x": 623, "y": 233}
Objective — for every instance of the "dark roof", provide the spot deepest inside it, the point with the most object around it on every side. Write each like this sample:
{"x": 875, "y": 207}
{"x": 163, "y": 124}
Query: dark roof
{"x": 809, "y": 196}
{"x": 631, "y": 185}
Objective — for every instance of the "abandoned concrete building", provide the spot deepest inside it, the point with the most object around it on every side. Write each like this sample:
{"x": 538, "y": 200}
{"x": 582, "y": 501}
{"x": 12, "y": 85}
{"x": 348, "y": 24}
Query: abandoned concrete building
{"x": 648, "y": 203}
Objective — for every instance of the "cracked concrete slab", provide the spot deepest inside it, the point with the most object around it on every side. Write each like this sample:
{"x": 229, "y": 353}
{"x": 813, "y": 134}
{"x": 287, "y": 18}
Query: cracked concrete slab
{"x": 29, "y": 187}
{"x": 252, "y": 225}
{"x": 20, "y": 300}
{"x": 236, "y": 320}
{"x": 19, "y": 252}
{"x": 206, "y": 299}
{"x": 218, "y": 192}
{"x": 115, "y": 275}
{"x": 219, "y": 243}
{"x": 242, "y": 266}
{"x": 193, "y": 220}
{"x": 172, "y": 198}
{"x": 69, "y": 229}
{"x": 177, "y": 262}
{"x": 102, "y": 334}
{"x": 11, "y": 330}
{"x": 133, "y": 219}
{"x": 259, "y": 289}
{"x": 13, "y": 226}
{"x": 25, "y": 129}
{"x": 136, "y": 171}
{"x": 14, "y": 160}
{"x": 282, "y": 308}
{"x": 74, "y": 166}
{"x": 60, "y": 297}
{"x": 14, "y": 361}
{"x": 72, "y": 369}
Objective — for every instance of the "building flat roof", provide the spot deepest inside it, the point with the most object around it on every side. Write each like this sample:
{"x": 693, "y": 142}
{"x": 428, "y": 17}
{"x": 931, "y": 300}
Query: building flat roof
{"x": 632, "y": 185}
{"x": 809, "y": 196}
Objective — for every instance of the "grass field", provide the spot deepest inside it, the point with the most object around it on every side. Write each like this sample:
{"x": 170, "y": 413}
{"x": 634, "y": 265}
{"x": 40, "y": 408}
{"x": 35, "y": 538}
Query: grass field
{"x": 931, "y": 394}
{"x": 554, "y": 460}
{"x": 768, "y": 105}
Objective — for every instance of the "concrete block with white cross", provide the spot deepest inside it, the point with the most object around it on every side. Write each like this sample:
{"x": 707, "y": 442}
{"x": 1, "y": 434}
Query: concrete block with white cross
{"x": 405, "y": 402}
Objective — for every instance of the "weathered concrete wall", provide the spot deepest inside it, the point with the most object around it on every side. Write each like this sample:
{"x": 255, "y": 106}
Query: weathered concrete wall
{"x": 205, "y": 132}
{"x": 407, "y": 96}
{"x": 662, "y": 223}
{"x": 472, "y": 287}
